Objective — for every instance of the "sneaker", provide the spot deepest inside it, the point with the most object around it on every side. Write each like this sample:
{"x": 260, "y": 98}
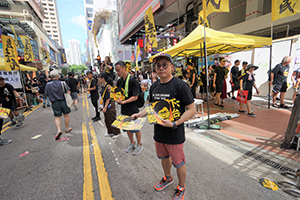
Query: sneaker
{"x": 96, "y": 119}
{"x": 19, "y": 124}
{"x": 44, "y": 106}
{"x": 4, "y": 142}
{"x": 48, "y": 105}
{"x": 108, "y": 135}
{"x": 130, "y": 148}
{"x": 93, "y": 118}
{"x": 216, "y": 104}
{"x": 116, "y": 136}
{"x": 251, "y": 114}
{"x": 233, "y": 98}
{"x": 138, "y": 150}
{"x": 179, "y": 194}
{"x": 163, "y": 183}
{"x": 242, "y": 111}
{"x": 228, "y": 93}
{"x": 221, "y": 106}
{"x": 12, "y": 123}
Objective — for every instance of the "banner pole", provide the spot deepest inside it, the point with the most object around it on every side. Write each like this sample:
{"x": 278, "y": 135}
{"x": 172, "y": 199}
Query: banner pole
{"x": 207, "y": 77}
{"x": 270, "y": 66}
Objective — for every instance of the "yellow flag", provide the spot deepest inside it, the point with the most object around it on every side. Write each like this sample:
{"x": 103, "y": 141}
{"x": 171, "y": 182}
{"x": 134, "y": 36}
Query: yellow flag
{"x": 16, "y": 36}
{"x": 10, "y": 53}
{"x": 284, "y": 8}
{"x": 28, "y": 53}
{"x": 216, "y": 6}
{"x": 138, "y": 50}
{"x": 201, "y": 19}
{"x": 150, "y": 27}
{"x": 48, "y": 57}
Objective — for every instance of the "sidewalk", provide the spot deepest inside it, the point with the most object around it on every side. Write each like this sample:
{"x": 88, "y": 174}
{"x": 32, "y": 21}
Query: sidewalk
{"x": 266, "y": 131}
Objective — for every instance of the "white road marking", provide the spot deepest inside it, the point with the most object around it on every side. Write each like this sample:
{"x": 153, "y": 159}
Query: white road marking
{"x": 100, "y": 123}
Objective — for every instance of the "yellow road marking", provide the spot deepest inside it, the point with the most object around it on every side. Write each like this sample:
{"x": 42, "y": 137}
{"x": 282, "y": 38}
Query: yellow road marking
{"x": 105, "y": 189}
{"x": 88, "y": 188}
{"x": 27, "y": 113}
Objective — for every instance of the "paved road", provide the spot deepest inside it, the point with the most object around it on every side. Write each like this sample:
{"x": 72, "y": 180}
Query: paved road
{"x": 91, "y": 166}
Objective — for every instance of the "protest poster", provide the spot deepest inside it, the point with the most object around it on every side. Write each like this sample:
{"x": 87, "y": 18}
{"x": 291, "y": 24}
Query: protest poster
{"x": 126, "y": 123}
{"x": 4, "y": 112}
{"x": 116, "y": 93}
{"x": 12, "y": 77}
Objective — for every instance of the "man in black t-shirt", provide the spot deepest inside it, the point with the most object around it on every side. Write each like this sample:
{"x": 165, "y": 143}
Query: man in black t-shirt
{"x": 74, "y": 85}
{"x": 218, "y": 81}
{"x": 278, "y": 78}
{"x": 234, "y": 78}
{"x": 169, "y": 136}
{"x": 108, "y": 68}
{"x": 7, "y": 100}
{"x": 129, "y": 106}
{"x": 193, "y": 78}
{"x": 93, "y": 90}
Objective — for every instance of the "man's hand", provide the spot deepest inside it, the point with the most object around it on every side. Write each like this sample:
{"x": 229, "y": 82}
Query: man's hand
{"x": 257, "y": 91}
{"x": 214, "y": 85}
{"x": 119, "y": 101}
{"x": 167, "y": 123}
{"x": 270, "y": 83}
{"x": 191, "y": 86}
{"x": 104, "y": 110}
{"x": 135, "y": 116}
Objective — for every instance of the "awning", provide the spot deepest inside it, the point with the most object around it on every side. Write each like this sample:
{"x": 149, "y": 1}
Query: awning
{"x": 22, "y": 67}
{"x": 217, "y": 42}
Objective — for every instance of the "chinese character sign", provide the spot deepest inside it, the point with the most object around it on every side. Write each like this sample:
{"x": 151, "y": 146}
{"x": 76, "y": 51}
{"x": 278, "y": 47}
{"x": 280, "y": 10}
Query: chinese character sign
{"x": 216, "y": 6}
{"x": 150, "y": 27}
{"x": 12, "y": 77}
{"x": 126, "y": 123}
{"x": 284, "y": 8}
{"x": 201, "y": 19}
{"x": 28, "y": 53}
{"x": 10, "y": 53}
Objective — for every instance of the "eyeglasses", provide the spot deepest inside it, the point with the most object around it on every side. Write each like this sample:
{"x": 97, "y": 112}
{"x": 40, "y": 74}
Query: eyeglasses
{"x": 164, "y": 66}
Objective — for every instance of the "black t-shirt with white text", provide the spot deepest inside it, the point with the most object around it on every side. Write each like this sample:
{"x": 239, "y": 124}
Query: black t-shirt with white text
{"x": 280, "y": 73}
{"x": 7, "y": 93}
{"x": 133, "y": 90}
{"x": 179, "y": 95}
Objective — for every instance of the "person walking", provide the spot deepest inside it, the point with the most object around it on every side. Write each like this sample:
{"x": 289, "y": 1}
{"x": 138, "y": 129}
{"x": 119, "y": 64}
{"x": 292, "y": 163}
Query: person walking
{"x": 233, "y": 78}
{"x": 54, "y": 90}
{"x": 94, "y": 95}
{"x": 278, "y": 77}
{"x": 247, "y": 82}
{"x": 193, "y": 78}
{"x": 42, "y": 86}
{"x": 218, "y": 82}
{"x": 128, "y": 107}
{"x": 8, "y": 96}
{"x": 169, "y": 136}
{"x": 74, "y": 85}
{"x": 108, "y": 106}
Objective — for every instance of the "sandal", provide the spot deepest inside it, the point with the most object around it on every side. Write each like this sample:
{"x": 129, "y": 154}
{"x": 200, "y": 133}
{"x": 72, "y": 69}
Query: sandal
{"x": 274, "y": 105}
{"x": 283, "y": 106}
{"x": 58, "y": 135}
{"x": 68, "y": 130}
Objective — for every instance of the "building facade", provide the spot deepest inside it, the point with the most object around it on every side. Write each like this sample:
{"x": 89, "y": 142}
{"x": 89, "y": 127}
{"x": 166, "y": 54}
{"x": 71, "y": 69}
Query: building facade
{"x": 74, "y": 52}
{"x": 51, "y": 20}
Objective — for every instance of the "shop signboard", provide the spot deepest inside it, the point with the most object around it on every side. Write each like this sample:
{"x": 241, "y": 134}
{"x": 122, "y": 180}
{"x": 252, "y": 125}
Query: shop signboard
{"x": 131, "y": 13}
{"x": 63, "y": 56}
{"x": 52, "y": 55}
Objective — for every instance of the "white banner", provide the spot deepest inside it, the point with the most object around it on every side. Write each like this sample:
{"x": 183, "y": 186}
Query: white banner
{"x": 12, "y": 77}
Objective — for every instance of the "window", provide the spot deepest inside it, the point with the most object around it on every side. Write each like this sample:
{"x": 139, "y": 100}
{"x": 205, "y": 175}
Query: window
{"x": 89, "y": 12}
{"x": 51, "y": 9}
{"x": 89, "y": 2}
{"x": 53, "y": 22}
{"x": 53, "y": 18}
{"x": 47, "y": 26}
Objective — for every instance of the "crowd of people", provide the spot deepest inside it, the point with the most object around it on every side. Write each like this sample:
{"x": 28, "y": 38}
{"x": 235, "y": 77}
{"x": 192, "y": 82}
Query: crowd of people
{"x": 164, "y": 83}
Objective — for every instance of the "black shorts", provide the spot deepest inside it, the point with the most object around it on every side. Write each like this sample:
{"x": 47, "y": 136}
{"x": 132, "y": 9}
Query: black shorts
{"x": 60, "y": 107}
{"x": 280, "y": 87}
{"x": 12, "y": 105}
{"x": 219, "y": 87}
{"x": 249, "y": 95}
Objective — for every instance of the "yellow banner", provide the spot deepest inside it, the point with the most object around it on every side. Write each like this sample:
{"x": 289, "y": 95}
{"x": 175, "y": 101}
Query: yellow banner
{"x": 216, "y": 6}
{"x": 16, "y": 36}
{"x": 150, "y": 27}
{"x": 10, "y": 53}
{"x": 28, "y": 53}
{"x": 48, "y": 57}
{"x": 201, "y": 19}
{"x": 138, "y": 50}
{"x": 284, "y": 8}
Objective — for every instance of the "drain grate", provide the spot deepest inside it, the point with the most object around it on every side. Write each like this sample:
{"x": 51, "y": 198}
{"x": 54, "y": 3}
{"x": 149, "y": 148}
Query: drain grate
{"x": 268, "y": 162}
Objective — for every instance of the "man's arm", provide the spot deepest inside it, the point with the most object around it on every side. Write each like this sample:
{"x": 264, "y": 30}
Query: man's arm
{"x": 293, "y": 77}
{"x": 16, "y": 94}
{"x": 131, "y": 99}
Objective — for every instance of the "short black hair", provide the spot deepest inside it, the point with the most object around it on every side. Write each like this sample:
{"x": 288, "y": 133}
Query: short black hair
{"x": 121, "y": 63}
{"x": 70, "y": 74}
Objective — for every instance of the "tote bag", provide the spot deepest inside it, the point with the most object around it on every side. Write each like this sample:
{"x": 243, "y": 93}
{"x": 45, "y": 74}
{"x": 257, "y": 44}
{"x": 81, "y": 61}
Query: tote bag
{"x": 242, "y": 96}
{"x": 68, "y": 98}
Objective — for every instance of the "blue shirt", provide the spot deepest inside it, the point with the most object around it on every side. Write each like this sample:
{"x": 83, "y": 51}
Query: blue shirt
{"x": 54, "y": 90}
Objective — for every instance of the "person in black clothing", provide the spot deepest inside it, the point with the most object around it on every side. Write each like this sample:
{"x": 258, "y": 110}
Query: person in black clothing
{"x": 218, "y": 81}
{"x": 169, "y": 135}
{"x": 129, "y": 107}
{"x": 29, "y": 95}
{"x": 247, "y": 82}
{"x": 73, "y": 84}
{"x": 233, "y": 78}
{"x": 108, "y": 68}
{"x": 193, "y": 78}
{"x": 278, "y": 77}
{"x": 108, "y": 106}
{"x": 93, "y": 89}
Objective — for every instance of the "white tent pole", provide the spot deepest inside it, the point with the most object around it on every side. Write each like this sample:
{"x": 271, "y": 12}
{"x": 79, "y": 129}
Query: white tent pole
{"x": 270, "y": 65}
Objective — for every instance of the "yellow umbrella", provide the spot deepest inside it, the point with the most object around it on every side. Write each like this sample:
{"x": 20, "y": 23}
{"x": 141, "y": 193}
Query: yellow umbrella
{"x": 22, "y": 67}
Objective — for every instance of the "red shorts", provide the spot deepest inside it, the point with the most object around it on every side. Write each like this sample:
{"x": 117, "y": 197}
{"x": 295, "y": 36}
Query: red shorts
{"x": 175, "y": 151}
